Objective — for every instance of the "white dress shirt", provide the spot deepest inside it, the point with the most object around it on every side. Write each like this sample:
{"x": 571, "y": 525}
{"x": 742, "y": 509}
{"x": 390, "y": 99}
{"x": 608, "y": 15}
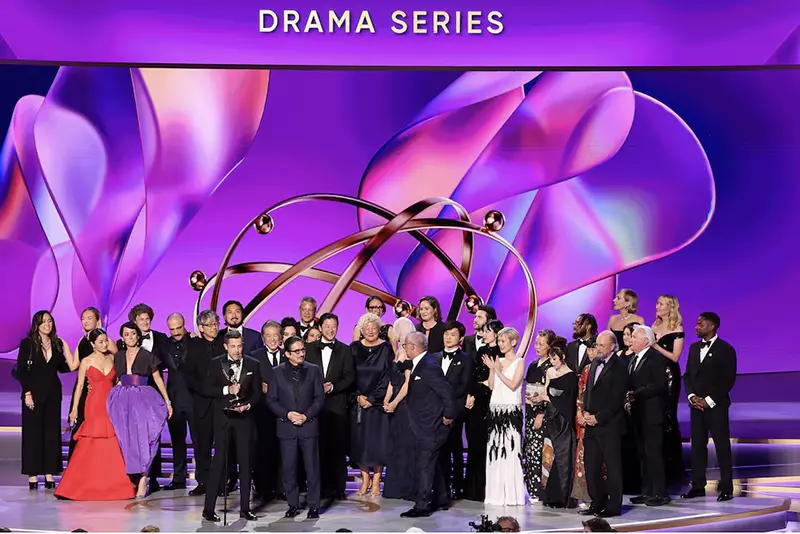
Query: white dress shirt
{"x": 446, "y": 362}
{"x": 703, "y": 353}
{"x": 147, "y": 342}
{"x": 327, "y": 351}
{"x": 416, "y": 360}
{"x": 478, "y": 342}
{"x": 638, "y": 359}
{"x": 274, "y": 358}
{"x": 581, "y": 354}
{"x": 238, "y": 329}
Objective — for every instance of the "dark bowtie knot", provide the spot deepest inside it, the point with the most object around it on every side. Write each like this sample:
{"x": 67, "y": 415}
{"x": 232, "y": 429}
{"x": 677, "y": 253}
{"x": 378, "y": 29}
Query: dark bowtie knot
{"x": 326, "y": 344}
{"x": 449, "y": 355}
{"x": 705, "y": 344}
{"x": 235, "y": 363}
{"x": 148, "y": 335}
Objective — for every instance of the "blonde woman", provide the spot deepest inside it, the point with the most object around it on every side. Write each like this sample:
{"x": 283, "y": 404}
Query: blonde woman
{"x": 626, "y": 304}
{"x": 668, "y": 328}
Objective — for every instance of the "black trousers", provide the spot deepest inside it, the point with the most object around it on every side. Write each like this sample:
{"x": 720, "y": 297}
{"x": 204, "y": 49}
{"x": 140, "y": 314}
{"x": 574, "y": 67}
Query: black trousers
{"x": 41, "y": 435}
{"x": 431, "y": 490}
{"x": 650, "y": 443}
{"x": 451, "y": 458}
{"x": 181, "y": 417}
{"x": 267, "y": 475}
{"x": 716, "y": 422}
{"x": 334, "y": 434}
{"x": 202, "y": 441}
{"x": 231, "y": 432}
{"x": 604, "y": 449}
{"x": 309, "y": 448}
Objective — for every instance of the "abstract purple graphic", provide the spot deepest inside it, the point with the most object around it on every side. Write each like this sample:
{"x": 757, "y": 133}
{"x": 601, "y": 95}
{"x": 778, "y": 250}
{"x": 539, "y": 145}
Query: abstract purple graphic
{"x": 113, "y": 164}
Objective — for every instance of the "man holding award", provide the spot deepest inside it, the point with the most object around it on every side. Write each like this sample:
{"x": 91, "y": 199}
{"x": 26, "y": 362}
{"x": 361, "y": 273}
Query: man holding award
{"x": 234, "y": 382}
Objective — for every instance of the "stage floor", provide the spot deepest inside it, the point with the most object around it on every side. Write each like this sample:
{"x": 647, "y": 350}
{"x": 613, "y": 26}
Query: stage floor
{"x": 178, "y": 512}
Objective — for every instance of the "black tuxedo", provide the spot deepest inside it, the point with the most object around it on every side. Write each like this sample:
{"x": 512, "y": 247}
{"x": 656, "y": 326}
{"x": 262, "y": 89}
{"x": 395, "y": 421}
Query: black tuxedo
{"x": 429, "y": 401}
{"x": 230, "y": 425}
{"x": 302, "y": 329}
{"x": 648, "y": 382}
{"x": 574, "y": 350}
{"x": 267, "y": 477}
{"x": 459, "y": 376}
{"x": 713, "y": 379}
{"x": 178, "y": 391}
{"x": 250, "y": 339}
{"x": 298, "y": 389}
{"x": 604, "y": 398}
{"x": 199, "y": 355}
{"x": 470, "y": 345}
{"x": 333, "y": 421}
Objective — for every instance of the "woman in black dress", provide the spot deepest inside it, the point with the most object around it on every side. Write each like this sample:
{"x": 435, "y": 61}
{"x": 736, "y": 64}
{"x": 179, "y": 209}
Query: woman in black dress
{"x": 668, "y": 328}
{"x": 478, "y": 410}
{"x": 370, "y": 431}
{"x": 429, "y": 313}
{"x": 626, "y": 303}
{"x": 42, "y": 355}
{"x": 400, "y": 465}
{"x": 534, "y": 416}
{"x": 560, "y": 404}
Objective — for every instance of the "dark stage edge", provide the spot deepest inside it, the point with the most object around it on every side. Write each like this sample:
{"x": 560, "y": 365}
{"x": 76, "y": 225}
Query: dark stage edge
{"x": 21, "y": 509}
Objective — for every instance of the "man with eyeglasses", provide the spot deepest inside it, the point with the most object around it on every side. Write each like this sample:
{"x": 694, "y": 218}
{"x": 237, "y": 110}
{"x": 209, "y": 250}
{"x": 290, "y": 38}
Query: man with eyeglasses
{"x": 200, "y": 351}
{"x": 296, "y": 396}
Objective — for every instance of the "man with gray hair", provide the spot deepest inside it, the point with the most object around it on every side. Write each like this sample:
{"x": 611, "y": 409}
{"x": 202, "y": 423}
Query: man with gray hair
{"x": 645, "y": 401}
{"x": 431, "y": 412}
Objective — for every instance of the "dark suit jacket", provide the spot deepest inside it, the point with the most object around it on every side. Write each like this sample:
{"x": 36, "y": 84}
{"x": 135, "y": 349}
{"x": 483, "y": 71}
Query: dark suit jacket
{"x": 301, "y": 330}
{"x": 648, "y": 381}
{"x": 265, "y": 365}
{"x": 429, "y": 399}
{"x": 715, "y": 376}
{"x": 281, "y": 399}
{"x": 174, "y": 357}
{"x": 341, "y": 373}
{"x": 219, "y": 371}
{"x": 199, "y": 354}
{"x": 459, "y": 376}
{"x": 40, "y": 377}
{"x": 605, "y": 398}
{"x": 250, "y": 338}
{"x": 469, "y": 346}
{"x": 573, "y": 349}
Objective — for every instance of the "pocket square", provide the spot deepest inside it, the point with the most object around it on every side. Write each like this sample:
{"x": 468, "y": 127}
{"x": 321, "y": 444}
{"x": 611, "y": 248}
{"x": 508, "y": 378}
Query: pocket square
{"x": 248, "y": 374}
{"x": 417, "y": 378}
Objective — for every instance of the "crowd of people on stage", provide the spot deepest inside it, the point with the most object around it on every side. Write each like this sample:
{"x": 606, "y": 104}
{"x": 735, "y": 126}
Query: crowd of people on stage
{"x": 286, "y": 410}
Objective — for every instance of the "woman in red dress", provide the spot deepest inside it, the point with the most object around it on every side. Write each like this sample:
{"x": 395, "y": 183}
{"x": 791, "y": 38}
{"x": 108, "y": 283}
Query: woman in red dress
{"x": 96, "y": 470}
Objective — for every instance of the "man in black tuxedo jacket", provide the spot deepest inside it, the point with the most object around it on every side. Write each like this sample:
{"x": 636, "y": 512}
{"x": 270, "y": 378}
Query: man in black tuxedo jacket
{"x": 156, "y": 343}
{"x": 199, "y": 353}
{"x": 267, "y": 477}
{"x": 338, "y": 372}
{"x": 584, "y": 331}
{"x": 181, "y": 397}
{"x": 431, "y": 412}
{"x": 296, "y": 397}
{"x": 231, "y": 377}
{"x": 473, "y": 342}
{"x": 233, "y": 313}
{"x": 308, "y": 314}
{"x": 645, "y": 401}
{"x": 457, "y": 367}
{"x": 603, "y": 417}
{"x": 710, "y": 376}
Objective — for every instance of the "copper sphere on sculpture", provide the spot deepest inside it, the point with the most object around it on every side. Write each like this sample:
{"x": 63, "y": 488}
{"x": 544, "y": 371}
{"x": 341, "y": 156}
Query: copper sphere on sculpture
{"x": 494, "y": 221}
{"x": 403, "y": 309}
{"x": 472, "y": 302}
{"x": 264, "y": 224}
{"x": 198, "y": 280}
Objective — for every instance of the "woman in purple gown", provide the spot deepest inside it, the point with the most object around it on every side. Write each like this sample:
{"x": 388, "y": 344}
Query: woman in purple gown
{"x": 137, "y": 412}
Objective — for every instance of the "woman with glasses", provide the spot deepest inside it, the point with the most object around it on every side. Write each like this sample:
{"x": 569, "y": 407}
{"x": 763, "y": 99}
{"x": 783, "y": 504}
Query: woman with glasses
{"x": 375, "y": 306}
{"x": 370, "y": 442}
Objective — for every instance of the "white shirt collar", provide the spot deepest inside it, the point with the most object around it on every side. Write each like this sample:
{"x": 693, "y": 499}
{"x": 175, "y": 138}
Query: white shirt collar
{"x": 416, "y": 360}
{"x": 712, "y": 340}
{"x": 641, "y": 352}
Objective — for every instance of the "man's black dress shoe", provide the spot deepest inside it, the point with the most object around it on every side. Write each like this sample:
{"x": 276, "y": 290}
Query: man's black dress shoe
{"x": 313, "y": 513}
{"x": 416, "y": 512}
{"x": 606, "y": 514}
{"x": 658, "y": 501}
{"x": 293, "y": 511}
{"x": 340, "y": 496}
{"x": 200, "y": 489}
{"x": 725, "y": 497}
{"x": 248, "y": 515}
{"x": 694, "y": 493}
{"x": 640, "y": 499}
{"x": 174, "y": 486}
{"x": 589, "y": 511}
{"x": 210, "y": 516}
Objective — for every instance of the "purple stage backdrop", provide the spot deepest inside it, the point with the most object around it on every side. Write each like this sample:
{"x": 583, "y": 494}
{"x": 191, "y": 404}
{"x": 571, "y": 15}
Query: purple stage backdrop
{"x": 117, "y": 183}
{"x": 511, "y": 33}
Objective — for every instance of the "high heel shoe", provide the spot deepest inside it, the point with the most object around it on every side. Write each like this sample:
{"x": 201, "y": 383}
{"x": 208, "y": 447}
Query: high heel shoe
{"x": 33, "y": 486}
{"x": 49, "y": 484}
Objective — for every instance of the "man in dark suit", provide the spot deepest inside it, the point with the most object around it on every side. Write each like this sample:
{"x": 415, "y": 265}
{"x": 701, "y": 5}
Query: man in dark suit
{"x": 200, "y": 351}
{"x": 645, "y": 401}
{"x": 457, "y": 367}
{"x": 296, "y": 397}
{"x": 584, "y": 331}
{"x": 308, "y": 314}
{"x": 603, "y": 417}
{"x": 473, "y": 342}
{"x": 338, "y": 372}
{"x": 233, "y": 313}
{"x": 233, "y": 381}
{"x": 710, "y": 376}
{"x": 431, "y": 412}
{"x": 156, "y": 343}
{"x": 178, "y": 391}
{"x": 267, "y": 477}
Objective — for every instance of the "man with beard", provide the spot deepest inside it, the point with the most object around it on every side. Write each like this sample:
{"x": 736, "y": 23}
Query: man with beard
{"x": 584, "y": 331}
{"x": 233, "y": 313}
{"x": 473, "y": 342}
{"x": 178, "y": 391}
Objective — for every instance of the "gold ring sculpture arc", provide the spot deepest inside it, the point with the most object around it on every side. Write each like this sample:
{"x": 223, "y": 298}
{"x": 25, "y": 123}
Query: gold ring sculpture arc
{"x": 371, "y": 239}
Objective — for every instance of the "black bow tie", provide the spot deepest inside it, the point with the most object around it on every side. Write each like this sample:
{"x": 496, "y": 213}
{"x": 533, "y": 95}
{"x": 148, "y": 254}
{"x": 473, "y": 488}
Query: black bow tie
{"x": 326, "y": 344}
{"x": 234, "y": 363}
{"x": 148, "y": 335}
{"x": 705, "y": 344}
{"x": 449, "y": 355}
{"x": 584, "y": 342}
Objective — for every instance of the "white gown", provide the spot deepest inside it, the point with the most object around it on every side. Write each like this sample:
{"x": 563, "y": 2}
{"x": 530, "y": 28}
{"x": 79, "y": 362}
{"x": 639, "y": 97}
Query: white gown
{"x": 505, "y": 485}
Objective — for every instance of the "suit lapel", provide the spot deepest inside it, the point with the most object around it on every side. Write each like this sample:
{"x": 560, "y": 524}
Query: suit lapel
{"x": 606, "y": 367}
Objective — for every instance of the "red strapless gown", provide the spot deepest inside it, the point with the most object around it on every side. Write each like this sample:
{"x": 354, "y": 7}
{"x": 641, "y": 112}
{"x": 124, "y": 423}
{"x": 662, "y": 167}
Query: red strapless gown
{"x": 96, "y": 471}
